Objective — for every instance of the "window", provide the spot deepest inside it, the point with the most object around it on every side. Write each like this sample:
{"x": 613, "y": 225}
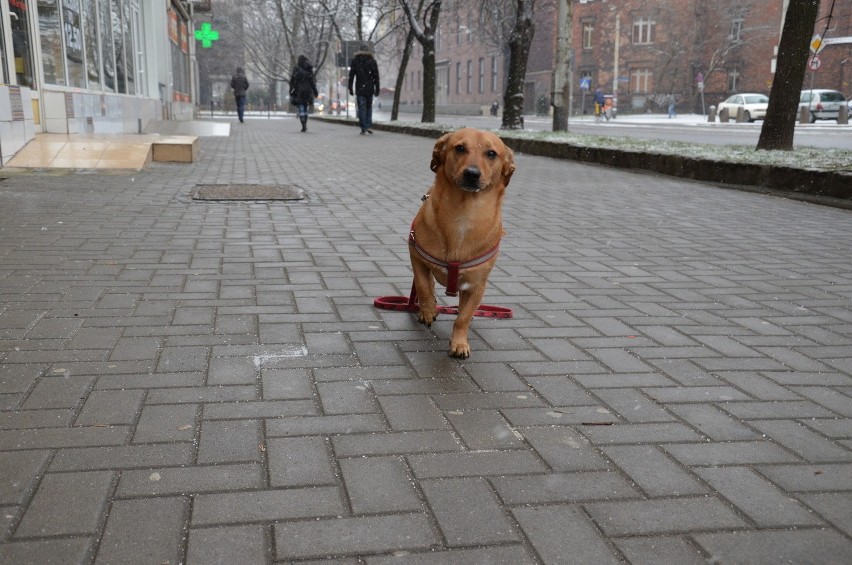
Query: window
{"x": 733, "y": 80}
{"x": 439, "y": 37}
{"x": 481, "y": 83}
{"x": 130, "y": 51}
{"x": 458, "y": 78}
{"x": 90, "y": 35}
{"x": 72, "y": 26}
{"x": 107, "y": 47}
{"x": 493, "y": 74}
{"x": 21, "y": 46}
{"x": 4, "y": 73}
{"x": 50, "y": 31}
{"x": 588, "y": 29}
{"x": 469, "y": 76}
{"x": 459, "y": 28}
{"x": 737, "y": 29}
{"x": 118, "y": 40}
{"x": 643, "y": 30}
{"x": 641, "y": 80}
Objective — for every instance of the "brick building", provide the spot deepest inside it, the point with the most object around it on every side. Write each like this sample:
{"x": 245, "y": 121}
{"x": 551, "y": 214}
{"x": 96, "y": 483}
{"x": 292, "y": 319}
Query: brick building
{"x": 641, "y": 50}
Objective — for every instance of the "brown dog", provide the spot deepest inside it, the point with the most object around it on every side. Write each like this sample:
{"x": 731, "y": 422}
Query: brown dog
{"x": 456, "y": 233}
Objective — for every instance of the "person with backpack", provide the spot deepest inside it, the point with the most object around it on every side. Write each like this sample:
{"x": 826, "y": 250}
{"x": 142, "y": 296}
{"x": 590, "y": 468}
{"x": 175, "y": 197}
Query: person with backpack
{"x": 364, "y": 73}
{"x": 303, "y": 89}
{"x": 240, "y": 84}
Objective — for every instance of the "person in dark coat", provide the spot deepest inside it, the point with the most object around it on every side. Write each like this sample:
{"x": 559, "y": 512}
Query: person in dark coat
{"x": 364, "y": 72}
{"x": 240, "y": 84}
{"x": 303, "y": 89}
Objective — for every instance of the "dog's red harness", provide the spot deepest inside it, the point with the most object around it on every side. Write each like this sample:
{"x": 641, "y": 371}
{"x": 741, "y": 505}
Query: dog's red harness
{"x": 453, "y": 269}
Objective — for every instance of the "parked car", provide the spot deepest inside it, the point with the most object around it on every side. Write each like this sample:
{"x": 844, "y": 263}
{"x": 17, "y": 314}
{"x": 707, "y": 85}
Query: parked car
{"x": 754, "y": 105}
{"x": 823, "y": 104}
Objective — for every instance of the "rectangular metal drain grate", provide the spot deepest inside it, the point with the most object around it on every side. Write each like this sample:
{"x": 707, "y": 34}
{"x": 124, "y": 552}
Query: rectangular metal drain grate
{"x": 247, "y": 192}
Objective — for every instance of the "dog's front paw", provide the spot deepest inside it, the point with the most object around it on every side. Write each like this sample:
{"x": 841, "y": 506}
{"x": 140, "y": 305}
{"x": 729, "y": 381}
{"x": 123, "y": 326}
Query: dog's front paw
{"x": 427, "y": 315}
{"x": 459, "y": 349}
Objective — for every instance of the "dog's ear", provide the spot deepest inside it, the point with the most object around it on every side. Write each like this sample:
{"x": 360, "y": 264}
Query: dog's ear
{"x": 438, "y": 152}
{"x": 508, "y": 165}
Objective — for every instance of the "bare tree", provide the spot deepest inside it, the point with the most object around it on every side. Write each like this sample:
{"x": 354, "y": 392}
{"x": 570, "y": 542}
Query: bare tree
{"x": 780, "y": 122}
{"x": 424, "y": 33}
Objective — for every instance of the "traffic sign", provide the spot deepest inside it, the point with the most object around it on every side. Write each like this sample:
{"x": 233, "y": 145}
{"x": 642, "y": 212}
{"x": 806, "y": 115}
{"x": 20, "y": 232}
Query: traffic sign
{"x": 814, "y": 63}
{"x": 585, "y": 83}
{"x": 817, "y": 44}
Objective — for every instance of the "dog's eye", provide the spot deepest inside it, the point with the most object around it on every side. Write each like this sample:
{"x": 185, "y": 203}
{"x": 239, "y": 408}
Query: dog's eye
{"x": 461, "y": 149}
{"x": 491, "y": 154}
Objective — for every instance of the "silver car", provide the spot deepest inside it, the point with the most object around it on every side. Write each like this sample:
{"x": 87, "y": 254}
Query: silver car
{"x": 823, "y": 104}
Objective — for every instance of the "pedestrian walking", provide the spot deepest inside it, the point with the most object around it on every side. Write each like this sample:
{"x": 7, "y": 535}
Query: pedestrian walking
{"x": 495, "y": 107}
{"x": 600, "y": 101}
{"x": 303, "y": 89}
{"x": 364, "y": 73}
{"x": 240, "y": 84}
{"x": 671, "y": 101}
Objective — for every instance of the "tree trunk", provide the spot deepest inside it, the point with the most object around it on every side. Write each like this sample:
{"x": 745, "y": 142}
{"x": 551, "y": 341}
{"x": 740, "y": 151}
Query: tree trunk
{"x": 400, "y": 77}
{"x": 428, "y": 115}
{"x": 519, "y": 50}
{"x": 428, "y": 41}
{"x": 780, "y": 123}
{"x": 562, "y": 73}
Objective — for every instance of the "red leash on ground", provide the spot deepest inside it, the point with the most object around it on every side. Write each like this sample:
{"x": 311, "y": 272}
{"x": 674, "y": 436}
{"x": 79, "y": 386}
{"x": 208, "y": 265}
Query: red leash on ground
{"x": 409, "y": 304}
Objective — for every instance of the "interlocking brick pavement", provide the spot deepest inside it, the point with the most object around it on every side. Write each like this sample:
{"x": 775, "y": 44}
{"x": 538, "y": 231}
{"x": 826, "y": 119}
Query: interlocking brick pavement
{"x": 209, "y": 382}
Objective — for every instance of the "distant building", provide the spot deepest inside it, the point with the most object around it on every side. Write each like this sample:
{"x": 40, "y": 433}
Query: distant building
{"x": 640, "y": 50}
{"x": 77, "y": 66}
{"x": 217, "y": 63}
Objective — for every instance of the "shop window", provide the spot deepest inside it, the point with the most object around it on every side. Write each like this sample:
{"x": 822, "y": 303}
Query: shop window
{"x": 90, "y": 39}
{"x": 50, "y": 32}
{"x": 4, "y": 73}
{"x": 72, "y": 26}
{"x": 107, "y": 46}
{"x": 21, "y": 46}
{"x": 118, "y": 42}
{"x": 129, "y": 51}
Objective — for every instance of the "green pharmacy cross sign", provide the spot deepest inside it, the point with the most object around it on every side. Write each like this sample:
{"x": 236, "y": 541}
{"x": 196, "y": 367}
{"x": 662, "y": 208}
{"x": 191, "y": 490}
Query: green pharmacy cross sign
{"x": 206, "y": 35}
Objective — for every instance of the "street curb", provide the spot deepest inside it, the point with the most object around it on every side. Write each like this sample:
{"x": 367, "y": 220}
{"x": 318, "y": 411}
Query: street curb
{"x": 830, "y": 188}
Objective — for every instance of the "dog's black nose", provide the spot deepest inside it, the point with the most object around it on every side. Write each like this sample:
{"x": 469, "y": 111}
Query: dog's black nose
{"x": 471, "y": 176}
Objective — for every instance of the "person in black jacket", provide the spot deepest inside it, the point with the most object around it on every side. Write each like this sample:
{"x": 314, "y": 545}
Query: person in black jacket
{"x": 240, "y": 84}
{"x": 364, "y": 72}
{"x": 303, "y": 89}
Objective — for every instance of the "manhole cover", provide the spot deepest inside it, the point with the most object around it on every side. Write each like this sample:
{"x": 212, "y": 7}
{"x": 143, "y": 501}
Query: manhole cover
{"x": 247, "y": 192}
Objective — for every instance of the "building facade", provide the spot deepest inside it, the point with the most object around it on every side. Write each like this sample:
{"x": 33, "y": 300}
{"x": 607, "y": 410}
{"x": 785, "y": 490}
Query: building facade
{"x": 85, "y": 66}
{"x": 641, "y": 51}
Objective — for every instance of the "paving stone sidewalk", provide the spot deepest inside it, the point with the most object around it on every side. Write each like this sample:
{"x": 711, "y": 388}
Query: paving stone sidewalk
{"x": 208, "y": 382}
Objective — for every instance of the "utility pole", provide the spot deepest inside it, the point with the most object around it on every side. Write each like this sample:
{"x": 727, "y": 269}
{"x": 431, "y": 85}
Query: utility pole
{"x": 562, "y": 72}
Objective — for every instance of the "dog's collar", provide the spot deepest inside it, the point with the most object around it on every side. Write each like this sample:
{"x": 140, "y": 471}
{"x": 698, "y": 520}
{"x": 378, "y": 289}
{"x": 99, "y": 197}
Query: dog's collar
{"x": 453, "y": 267}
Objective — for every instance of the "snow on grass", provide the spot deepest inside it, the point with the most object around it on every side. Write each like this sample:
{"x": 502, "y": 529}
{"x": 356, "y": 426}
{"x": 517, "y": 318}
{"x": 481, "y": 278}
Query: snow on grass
{"x": 801, "y": 158}
{"x": 810, "y": 158}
